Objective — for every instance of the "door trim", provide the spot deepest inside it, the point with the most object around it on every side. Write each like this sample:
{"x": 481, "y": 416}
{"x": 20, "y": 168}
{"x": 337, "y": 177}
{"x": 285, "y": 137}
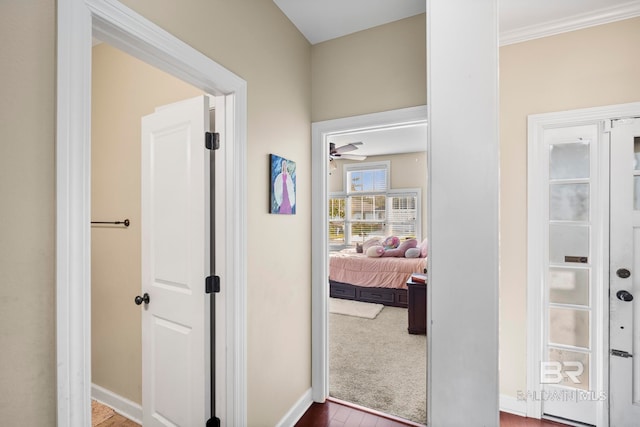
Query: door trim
{"x": 537, "y": 123}
{"x": 132, "y": 33}
{"x": 320, "y": 228}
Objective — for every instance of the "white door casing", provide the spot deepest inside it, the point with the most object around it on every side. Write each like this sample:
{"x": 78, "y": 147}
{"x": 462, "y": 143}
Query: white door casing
{"x": 320, "y": 132}
{"x": 625, "y": 255}
{"x": 175, "y": 262}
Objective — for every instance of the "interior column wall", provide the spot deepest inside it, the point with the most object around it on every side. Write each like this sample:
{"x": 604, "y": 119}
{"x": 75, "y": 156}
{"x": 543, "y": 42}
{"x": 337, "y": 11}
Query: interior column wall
{"x": 462, "y": 327}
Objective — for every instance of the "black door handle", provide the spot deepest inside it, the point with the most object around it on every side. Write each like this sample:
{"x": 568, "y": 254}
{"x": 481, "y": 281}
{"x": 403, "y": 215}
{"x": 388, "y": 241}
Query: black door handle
{"x": 623, "y": 273}
{"x": 624, "y": 296}
{"x": 145, "y": 299}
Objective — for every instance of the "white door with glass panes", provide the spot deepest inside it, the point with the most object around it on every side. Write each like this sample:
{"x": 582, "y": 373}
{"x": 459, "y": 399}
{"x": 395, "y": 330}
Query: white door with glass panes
{"x": 570, "y": 380}
{"x": 624, "y": 274}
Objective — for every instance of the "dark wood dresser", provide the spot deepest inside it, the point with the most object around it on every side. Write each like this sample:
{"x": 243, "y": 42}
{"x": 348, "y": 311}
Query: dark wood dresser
{"x": 417, "y": 307}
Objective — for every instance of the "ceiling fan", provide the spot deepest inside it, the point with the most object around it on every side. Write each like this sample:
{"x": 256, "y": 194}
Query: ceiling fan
{"x": 339, "y": 152}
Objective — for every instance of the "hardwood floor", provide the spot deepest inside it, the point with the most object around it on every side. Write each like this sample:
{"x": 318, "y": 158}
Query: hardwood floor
{"x": 334, "y": 414}
{"x": 118, "y": 420}
{"x": 104, "y": 416}
{"x": 510, "y": 420}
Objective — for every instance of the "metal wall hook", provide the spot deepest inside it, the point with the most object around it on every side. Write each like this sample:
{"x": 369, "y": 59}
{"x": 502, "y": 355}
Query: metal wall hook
{"x": 126, "y": 222}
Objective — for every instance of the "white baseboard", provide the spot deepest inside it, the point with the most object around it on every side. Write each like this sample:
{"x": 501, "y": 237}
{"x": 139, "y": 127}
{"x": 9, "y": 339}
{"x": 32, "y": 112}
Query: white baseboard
{"x": 121, "y": 405}
{"x": 297, "y": 411}
{"x": 512, "y": 405}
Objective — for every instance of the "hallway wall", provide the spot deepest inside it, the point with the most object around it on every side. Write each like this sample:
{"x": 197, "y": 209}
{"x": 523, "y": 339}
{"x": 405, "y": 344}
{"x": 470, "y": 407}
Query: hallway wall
{"x": 27, "y": 228}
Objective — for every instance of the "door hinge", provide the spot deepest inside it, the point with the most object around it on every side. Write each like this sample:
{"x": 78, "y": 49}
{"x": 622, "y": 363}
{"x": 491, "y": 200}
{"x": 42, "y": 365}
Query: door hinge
{"x": 213, "y": 422}
{"x": 212, "y": 140}
{"x": 212, "y": 284}
{"x": 621, "y": 353}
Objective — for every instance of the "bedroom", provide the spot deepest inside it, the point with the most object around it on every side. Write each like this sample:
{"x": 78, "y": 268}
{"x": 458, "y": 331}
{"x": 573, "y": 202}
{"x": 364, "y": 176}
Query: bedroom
{"x": 377, "y": 188}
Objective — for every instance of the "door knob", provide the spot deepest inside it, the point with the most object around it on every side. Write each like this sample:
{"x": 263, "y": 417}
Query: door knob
{"x": 624, "y": 296}
{"x": 623, "y": 273}
{"x": 145, "y": 299}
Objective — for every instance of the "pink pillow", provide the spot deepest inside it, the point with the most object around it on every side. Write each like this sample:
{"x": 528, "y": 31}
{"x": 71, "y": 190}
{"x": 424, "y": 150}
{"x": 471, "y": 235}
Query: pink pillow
{"x": 370, "y": 242}
{"x": 391, "y": 242}
{"x": 400, "y": 250}
{"x": 375, "y": 251}
{"x": 424, "y": 247}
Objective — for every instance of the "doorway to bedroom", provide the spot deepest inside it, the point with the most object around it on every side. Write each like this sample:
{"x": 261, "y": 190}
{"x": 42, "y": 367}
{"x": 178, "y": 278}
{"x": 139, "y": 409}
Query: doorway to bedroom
{"x": 375, "y": 223}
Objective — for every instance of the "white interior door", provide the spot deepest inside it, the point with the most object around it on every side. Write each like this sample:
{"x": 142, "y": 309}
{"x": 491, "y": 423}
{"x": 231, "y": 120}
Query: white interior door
{"x": 175, "y": 262}
{"x": 624, "y": 361}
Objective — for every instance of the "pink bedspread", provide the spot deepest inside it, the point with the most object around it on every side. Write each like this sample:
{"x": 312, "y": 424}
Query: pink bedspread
{"x": 361, "y": 270}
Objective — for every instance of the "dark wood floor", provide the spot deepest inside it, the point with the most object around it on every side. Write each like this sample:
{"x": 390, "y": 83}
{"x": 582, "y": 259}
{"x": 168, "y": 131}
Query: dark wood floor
{"x": 334, "y": 414}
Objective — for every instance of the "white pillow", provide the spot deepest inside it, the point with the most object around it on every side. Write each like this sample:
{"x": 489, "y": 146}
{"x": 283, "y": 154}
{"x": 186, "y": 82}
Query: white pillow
{"x": 375, "y": 251}
{"x": 412, "y": 253}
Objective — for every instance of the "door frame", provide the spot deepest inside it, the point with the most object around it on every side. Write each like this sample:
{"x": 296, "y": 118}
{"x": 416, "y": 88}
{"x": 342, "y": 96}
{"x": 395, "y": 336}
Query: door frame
{"x": 130, "y": 32}
{"x": 537, "y": 123}
{"x": 320, "y": 131}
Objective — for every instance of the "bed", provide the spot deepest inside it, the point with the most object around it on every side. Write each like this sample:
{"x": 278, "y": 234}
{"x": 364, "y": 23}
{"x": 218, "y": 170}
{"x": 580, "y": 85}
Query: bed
{"x": 383, "y": 280}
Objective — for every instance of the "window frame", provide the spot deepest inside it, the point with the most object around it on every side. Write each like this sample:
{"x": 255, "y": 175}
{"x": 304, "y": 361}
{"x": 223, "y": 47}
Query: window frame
{"x": 347, "y": 195}
{"x": 356, "y": 167}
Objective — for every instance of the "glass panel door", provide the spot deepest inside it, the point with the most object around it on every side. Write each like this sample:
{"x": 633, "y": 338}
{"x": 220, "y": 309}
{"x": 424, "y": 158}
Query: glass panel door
{"x": 569, "y": 277}
{"x": 570, "y": 308}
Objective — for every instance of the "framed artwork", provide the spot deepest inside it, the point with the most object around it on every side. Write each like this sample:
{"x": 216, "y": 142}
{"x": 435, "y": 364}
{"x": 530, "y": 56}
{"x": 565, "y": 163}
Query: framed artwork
{"x": 283, "y": 186}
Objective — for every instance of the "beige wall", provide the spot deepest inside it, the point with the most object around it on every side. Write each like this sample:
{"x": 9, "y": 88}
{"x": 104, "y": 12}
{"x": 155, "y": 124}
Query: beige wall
{"x": 27, "y": 246}
{"x": 586, "y": 68}
{"x": 380, "y": 69}
{"x": 123, "y": 90}
{"x": 407, "y": 171}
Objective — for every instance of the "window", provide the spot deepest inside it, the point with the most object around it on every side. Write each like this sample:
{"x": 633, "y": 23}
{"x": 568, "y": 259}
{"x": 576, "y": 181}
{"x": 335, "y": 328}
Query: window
{"x": 369, "y": 208}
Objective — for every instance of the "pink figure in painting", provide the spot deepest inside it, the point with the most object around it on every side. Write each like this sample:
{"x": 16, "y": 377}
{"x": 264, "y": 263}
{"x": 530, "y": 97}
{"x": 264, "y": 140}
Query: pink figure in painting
{"x": 283, "y": 190}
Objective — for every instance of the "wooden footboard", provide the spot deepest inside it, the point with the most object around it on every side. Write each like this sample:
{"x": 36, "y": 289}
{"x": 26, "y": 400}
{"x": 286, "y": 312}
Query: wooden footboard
{"x": 387, "y": 296}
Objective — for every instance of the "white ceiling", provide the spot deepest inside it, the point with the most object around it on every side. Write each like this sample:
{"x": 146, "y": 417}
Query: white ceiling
{"x": 405, "y": 139}
{"x": 519, "y": 20}
{"x": 322, "y": 20}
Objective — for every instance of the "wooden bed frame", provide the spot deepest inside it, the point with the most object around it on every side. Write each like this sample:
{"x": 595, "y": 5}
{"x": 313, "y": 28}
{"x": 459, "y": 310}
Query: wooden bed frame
{"x": 388, "y": 296}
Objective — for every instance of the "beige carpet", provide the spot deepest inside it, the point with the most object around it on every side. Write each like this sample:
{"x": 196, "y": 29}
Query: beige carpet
{"x": 100, "y": 413}
{"x": 354, "y": 308}
{"x": 378, "y": 364}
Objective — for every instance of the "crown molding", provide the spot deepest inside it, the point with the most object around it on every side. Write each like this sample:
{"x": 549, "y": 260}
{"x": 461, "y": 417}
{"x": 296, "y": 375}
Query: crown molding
{"x": 572, "y": 23}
